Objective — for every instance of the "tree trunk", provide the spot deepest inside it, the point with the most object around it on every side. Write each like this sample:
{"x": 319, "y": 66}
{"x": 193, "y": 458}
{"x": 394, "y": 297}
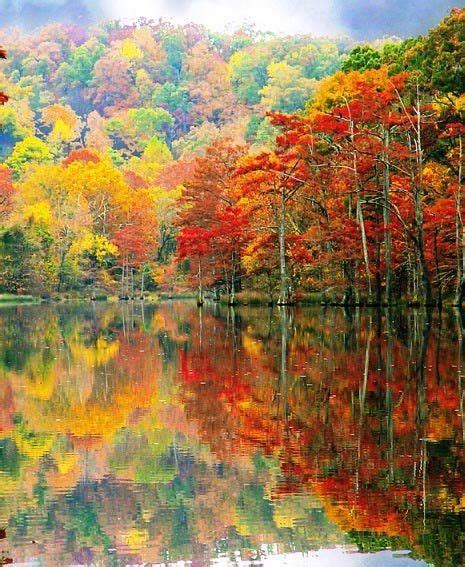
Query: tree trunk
{"x": 436, "y": 265}
{"x": 232, "y": 291}
{"x": 283, "y": 387}
{"x": 63, "y": 255}
{"x": 460, "y": 237}
{"x": 387, "y": 220}
{"x": 127, "y": 280}
{"x": 378, "y": 292}
{"x": 200, "y": 291}
{"x": 427, "y": 297}
{"x": 270, "y": 288}
{"x": 366, "y": 259}
{"x": 283, "y": 289}
{"x": 350, "y": 297}
{"x": 389, "y": 401}
{"x": 122, "y": 280}
{"x": 359, "y": 215}
{"x": 418, "y": 207}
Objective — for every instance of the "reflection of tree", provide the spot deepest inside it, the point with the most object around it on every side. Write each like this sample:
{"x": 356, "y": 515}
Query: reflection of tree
{"x": 162, "y": 434}
{"x": 396, "y": 416}
{"x": 4, "y": 558}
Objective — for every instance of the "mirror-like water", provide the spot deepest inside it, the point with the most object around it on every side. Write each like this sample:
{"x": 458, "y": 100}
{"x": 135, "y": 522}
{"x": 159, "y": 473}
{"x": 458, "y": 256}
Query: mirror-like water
{"x": 135, "y": 435}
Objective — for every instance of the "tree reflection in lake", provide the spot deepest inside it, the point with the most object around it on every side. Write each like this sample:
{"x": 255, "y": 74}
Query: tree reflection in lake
{"x": 133, "y": 434}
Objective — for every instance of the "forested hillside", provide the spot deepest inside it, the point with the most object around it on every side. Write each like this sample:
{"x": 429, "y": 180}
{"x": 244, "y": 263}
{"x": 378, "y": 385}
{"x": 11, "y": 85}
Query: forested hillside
{"x": 153, "y": 157}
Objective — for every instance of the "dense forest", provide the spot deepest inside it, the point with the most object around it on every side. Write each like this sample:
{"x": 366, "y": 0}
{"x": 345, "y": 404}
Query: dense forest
{"x": 151, "y": 157}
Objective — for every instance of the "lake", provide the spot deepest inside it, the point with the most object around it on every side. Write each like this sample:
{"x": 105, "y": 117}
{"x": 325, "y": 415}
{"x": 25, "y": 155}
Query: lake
{"x": 169, "y": 434}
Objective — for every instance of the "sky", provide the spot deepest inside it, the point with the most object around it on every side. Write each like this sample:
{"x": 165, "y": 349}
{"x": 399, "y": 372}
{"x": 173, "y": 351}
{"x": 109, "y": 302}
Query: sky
{"x": 362, "y": 19}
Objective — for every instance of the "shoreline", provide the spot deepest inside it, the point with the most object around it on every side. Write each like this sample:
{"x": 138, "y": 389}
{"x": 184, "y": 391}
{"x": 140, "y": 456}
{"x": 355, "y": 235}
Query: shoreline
{"x": 252, "y": 300}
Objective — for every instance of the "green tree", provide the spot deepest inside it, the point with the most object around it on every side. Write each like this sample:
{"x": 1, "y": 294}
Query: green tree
{"x": 15, "y": 260}
{"x": 78, "y": 70}
{"x": 362, "y": 58}
{"x": 440, "y": 56}
{"x": 249, "y": 73}
{"x": 173, "y": 97}
{"x": 287, "y": 89}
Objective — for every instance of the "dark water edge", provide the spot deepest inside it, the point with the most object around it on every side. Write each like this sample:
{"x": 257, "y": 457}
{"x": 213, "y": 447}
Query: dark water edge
{"x": 136, "y": 434}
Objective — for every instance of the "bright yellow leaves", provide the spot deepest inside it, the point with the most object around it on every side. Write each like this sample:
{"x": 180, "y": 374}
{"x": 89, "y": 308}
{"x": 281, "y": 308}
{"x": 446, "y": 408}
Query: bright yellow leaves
{"x": 57, "y": 113}
{"x": 97, "y": 354}
{"x": 156, "y": 155}
{"x": 31, "y": 444}
{"x": 95, "y": 244}
{"x": 38, "y": 213}
{"x": 135, "y": 538}
{"x": 130, "y": 50}
{"x": 342, "y": 87}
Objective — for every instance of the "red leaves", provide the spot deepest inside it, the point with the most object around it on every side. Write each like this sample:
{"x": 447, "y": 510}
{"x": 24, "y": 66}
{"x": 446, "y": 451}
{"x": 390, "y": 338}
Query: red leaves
{"x": 220, "y": 245}
{"x": 6, "y": 191}
{"x": 331, "y": 124}
{"x": 133, "y": 244}
{"x": 134, "y": 180}
{"x": 215, "y": 228}
{"x": 194, "y": 242}
{"x": 454, "y": 130}
{"x": 299, "y": 253}
{"x": 85, "y": 155}
{"x": 136, "y": 239}
{"x": 325, "y": 182}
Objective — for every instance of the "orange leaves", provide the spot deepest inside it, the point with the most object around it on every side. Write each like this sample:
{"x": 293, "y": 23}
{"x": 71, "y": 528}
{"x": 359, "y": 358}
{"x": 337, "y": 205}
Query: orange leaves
{"x": 136, "y": 237}
{"x": 342, "y": 88}
{"x": 134, "y": 180}
{"x": 84, "y": 155}
{"x": 454, "y": 130}
{"x": 132, "y": 242}
{"x": 6, "y": 192}
{"x": 331, "y": 124}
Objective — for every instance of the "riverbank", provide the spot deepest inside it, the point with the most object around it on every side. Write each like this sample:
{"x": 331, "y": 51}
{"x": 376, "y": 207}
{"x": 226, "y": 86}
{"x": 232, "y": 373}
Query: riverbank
{"x": 243, "y": 298}
{"x": 9, "y": 298}
{"x": 257, "y": 298}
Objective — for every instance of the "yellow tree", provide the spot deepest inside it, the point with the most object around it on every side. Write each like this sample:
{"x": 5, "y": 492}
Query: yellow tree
{"x": 63, "y": 126}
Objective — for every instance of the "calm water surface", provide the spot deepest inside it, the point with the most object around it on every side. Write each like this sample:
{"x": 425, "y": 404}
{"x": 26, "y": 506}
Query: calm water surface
{"x": 135, "y": 435}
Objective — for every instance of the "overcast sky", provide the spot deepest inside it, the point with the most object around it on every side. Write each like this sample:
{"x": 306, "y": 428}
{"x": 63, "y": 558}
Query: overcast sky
{"x": 359, "y": 18}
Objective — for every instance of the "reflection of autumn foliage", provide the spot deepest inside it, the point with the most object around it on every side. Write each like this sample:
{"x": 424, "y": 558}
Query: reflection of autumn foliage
{"x": 4, "y": 560}
{"x": 204, "y": 426}
{"x": 360, "y": 436}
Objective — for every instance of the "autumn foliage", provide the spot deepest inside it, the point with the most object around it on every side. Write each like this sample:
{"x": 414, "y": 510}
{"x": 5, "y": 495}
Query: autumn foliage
{"x": 161, "y": 158}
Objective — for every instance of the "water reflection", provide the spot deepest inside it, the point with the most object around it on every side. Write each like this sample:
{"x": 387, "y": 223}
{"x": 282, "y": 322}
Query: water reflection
{"x": 147, "y": 435}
